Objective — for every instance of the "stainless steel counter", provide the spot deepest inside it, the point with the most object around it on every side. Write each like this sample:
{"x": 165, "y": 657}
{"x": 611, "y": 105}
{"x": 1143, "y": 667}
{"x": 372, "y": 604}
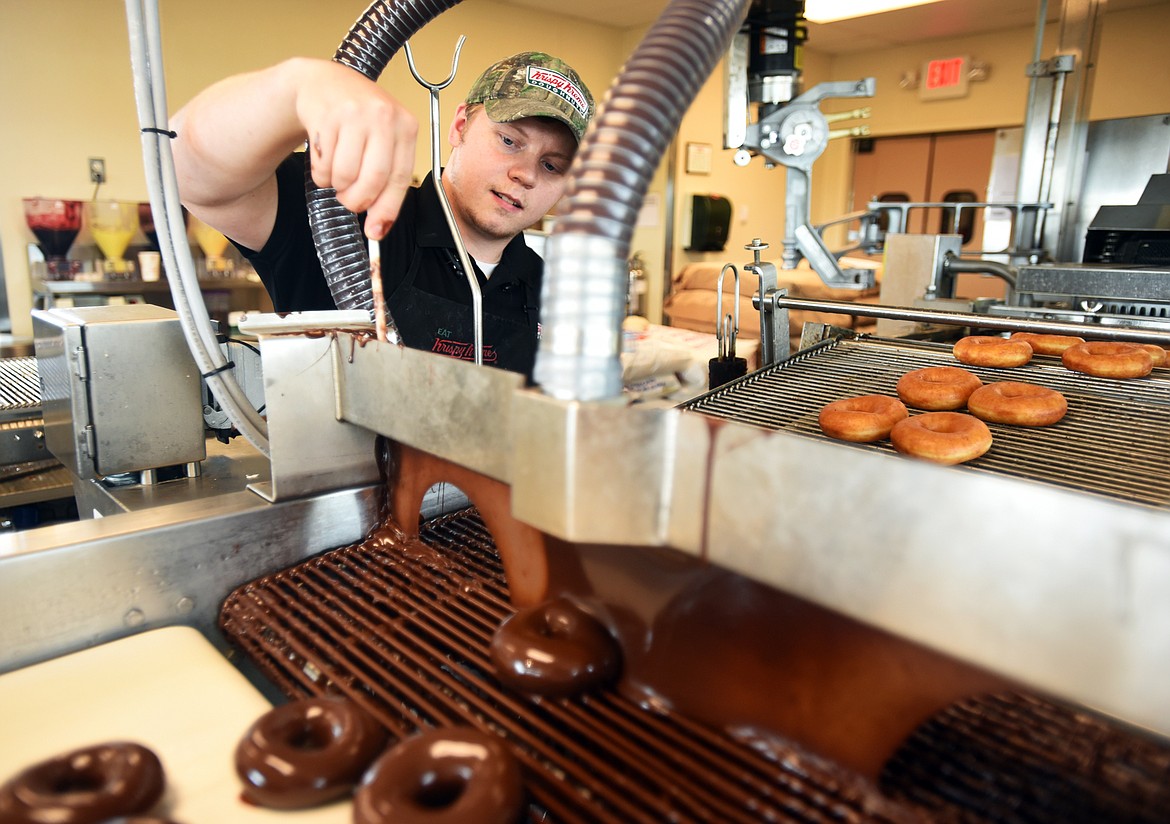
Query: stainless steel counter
{"x": 167, "y": 555}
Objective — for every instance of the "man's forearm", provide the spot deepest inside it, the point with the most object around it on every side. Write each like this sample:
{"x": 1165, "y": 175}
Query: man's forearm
{"x": 232, "y": 136}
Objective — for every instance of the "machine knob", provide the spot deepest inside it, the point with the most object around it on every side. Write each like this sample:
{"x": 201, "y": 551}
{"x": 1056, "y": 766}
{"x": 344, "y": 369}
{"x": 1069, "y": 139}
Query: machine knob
{"x": 742, "y": 158}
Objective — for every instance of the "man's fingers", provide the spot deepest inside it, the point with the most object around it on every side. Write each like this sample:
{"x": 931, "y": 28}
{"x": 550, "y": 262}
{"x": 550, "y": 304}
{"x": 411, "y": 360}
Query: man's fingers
{"x": 384, "y": 211}
{"x": 364, "y": 150}
{"x": 321, "y": 155}
{"x": 351, "y": 163}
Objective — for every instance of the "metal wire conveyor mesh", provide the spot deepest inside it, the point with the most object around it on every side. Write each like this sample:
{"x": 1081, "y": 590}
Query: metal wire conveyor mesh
{"x": 1114, "y": 440}
{"x": 406, "y": 634}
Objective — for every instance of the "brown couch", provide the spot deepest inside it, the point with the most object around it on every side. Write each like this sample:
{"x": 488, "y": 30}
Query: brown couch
{"x": 692, "y": 302}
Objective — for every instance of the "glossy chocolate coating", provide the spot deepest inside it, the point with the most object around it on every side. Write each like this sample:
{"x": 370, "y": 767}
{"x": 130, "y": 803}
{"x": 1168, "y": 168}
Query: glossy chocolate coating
{"x": 307, "y": 752}
{"x": 86, "y": 786}
{"x": 442, "y": 776}
{"x": 554, "y": 649}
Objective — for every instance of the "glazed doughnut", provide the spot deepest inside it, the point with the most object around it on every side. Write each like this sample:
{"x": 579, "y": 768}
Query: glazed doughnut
{"x": 937, "y": 388}
{"x": 1047, "y": 344}
{"x": 93, "y": 784}
{"x": 942, "y": 437}
{"x": 307, "y": 752}
{"x": 554, "y": 649}
{"x": 861, "y": 420}
{"x": 442, "y": 776}
{"x": 1020, "y": 404}
{"x": 1156, "y": 352}
{"x": 1108, "y": 359}
{"x": 988, "y": 350}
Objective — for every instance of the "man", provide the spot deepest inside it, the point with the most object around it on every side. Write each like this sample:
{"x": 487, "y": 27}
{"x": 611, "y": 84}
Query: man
{"x": 512, "y": 142}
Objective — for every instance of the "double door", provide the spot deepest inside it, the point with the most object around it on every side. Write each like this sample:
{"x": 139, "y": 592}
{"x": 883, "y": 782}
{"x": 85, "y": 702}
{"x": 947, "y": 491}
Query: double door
{"x": 939, "y": 168}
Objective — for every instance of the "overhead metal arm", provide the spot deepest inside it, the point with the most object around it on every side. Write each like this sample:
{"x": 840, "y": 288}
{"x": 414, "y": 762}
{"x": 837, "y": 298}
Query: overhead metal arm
{"x": 795, "y": 136}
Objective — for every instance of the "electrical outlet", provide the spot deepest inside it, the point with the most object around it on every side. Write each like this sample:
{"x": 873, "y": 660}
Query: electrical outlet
{"x": 97, "y": 170}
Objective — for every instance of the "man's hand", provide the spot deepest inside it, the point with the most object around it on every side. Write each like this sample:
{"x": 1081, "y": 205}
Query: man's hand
{"x": 233, "y": 135}
{"x": 361, "y": 140}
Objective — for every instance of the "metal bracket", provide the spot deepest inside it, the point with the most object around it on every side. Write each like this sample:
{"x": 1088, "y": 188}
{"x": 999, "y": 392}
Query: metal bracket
{"x": 795, "y": 136}
{"x": 1060, "y": 64}
{"x": 81, "y": 366}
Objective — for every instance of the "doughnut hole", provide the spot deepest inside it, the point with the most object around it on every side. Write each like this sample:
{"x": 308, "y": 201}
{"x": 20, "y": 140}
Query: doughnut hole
{"x": 442, "y": 788}
{"x": 62, "y": 779}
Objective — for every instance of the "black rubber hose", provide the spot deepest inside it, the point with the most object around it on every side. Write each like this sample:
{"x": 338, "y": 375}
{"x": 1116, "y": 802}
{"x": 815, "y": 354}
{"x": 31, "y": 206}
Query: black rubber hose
{"x": 372, "y": 41}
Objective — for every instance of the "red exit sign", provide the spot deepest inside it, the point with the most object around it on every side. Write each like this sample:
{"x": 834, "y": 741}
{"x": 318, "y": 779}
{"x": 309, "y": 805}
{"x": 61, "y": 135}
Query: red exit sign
{"x": 944, "y": 78}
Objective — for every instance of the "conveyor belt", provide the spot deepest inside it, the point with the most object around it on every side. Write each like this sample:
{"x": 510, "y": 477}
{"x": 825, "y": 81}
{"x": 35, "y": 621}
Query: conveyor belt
{"x": 20, "y": 388}
{"x": 405, "y": 629}
{"x": 1020, "y": 760}
{"x": 1114, "y": 441}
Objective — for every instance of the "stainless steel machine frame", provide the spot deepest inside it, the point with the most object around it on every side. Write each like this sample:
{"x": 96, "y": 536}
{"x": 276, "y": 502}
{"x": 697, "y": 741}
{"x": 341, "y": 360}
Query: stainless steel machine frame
{"x": 1047, "y": 586}
{"x": 93, "y": 364}
{"x": 1057, "y": 590}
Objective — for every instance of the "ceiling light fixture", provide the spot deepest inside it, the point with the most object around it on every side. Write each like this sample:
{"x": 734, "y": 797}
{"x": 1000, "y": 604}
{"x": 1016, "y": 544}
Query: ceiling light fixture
{"x": 828, "y": 11}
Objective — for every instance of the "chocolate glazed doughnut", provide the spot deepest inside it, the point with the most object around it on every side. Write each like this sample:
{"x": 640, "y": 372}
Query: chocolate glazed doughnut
{"x": 442, "y": 776}
{"x": 554, "y": 649}
{"x": 85, "y": 786}
{"x": 307, "y": 752}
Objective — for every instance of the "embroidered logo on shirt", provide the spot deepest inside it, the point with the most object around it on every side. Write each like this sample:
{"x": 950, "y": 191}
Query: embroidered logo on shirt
{"x": 463, "y": 350}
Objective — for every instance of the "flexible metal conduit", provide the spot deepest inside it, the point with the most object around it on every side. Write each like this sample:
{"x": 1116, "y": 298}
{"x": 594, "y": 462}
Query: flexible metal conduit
{"x": 150, "y": 95}
{"x": 584, "y": 291}
{"x": 375, "y": 38}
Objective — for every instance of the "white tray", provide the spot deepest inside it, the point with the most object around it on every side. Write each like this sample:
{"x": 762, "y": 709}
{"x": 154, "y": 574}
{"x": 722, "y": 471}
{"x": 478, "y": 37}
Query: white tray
{"x": 167, "y": 689}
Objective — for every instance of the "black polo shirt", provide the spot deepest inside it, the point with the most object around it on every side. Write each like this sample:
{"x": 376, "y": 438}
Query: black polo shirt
{"x": 291, "y": 272}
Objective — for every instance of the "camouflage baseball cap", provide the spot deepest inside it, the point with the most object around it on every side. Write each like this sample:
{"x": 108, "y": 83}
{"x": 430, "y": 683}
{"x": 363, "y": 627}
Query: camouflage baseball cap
{"x": 534, "y": 84}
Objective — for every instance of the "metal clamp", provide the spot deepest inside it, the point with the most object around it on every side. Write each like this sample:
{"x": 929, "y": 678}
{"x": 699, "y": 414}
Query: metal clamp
{"x": 773, "y": 325}
{"x": 727, "y": 326}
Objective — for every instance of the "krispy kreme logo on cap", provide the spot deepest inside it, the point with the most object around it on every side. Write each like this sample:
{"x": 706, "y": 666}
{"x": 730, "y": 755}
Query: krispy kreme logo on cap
{"x": 559, "y": 85}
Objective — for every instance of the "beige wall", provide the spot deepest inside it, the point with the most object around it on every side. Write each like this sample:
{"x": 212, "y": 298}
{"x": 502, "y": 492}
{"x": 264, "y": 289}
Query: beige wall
{"x": 1133, "y": 65}
{"x": 66, "y": 92}
{"x": 66, "y": 95}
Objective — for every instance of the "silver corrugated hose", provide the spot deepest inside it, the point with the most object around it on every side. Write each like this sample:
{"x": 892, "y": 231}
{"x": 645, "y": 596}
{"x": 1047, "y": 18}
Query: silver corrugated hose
{"x": 375, "y": 38}
{"x": 585, "y": 282}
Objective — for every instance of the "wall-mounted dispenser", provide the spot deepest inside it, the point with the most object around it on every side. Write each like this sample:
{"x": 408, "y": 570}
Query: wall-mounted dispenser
{"x": 708, "y": 220}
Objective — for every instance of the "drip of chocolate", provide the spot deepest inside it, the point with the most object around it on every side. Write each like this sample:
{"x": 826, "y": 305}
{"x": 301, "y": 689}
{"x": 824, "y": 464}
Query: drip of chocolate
{"x": 411, "y": 472}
